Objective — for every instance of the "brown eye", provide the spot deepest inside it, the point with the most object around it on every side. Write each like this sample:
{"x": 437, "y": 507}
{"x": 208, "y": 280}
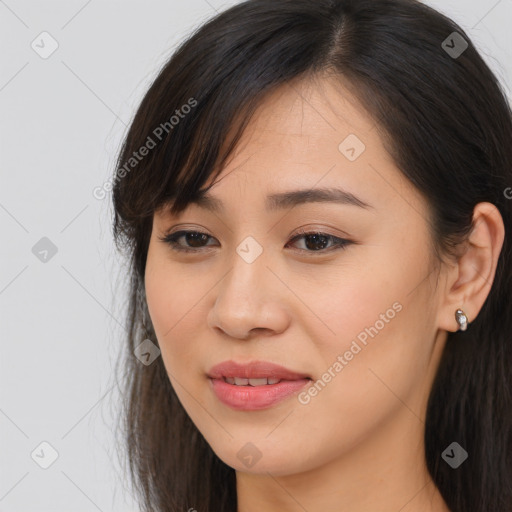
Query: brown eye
{"x": 193, "y": 239}
{"x": 319, "y": 242}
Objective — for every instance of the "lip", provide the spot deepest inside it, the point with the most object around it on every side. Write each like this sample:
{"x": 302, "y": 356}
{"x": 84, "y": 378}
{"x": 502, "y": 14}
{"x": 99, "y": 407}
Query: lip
{"x": 254, "y": 370}
{"x": 252, "y": 398}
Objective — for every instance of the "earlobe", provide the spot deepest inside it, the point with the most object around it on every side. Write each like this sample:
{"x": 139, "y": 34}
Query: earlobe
{"x": 473, "y": 275}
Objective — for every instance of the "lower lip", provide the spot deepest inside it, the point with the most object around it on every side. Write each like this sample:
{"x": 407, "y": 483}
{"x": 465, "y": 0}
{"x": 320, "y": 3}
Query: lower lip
{"x": 253, "y": 398}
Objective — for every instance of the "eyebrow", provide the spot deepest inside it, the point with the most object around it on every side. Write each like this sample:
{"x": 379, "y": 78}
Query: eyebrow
{"x": 282, "y": 200}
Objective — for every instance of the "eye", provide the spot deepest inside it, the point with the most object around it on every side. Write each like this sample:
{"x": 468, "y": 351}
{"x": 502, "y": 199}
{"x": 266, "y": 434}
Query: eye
{"x": 195, "y": 238}
{"x": 314, "y": 241}
{"x": 318, "y": 242}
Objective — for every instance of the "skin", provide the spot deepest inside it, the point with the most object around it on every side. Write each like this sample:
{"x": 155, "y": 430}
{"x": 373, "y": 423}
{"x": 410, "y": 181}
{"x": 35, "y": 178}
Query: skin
{"x": 358, "y": 444}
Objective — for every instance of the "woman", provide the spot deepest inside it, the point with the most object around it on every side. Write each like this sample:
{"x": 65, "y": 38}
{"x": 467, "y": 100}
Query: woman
{"x": 314, "y": 197}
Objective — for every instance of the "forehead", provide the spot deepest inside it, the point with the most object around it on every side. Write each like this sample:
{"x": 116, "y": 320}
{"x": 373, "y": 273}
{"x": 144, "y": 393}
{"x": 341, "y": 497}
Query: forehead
{"x": 311, "y": 134}
{"x": 308, "y": 131}
{"x": 325, "y": 101}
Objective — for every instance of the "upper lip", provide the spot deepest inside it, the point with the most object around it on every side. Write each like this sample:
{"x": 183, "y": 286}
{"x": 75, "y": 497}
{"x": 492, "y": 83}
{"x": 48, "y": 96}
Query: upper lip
{"x": 254, "y": 370}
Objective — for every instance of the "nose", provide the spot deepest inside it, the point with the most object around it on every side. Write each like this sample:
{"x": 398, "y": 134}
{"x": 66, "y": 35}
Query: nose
{"x": 250, "y": 301}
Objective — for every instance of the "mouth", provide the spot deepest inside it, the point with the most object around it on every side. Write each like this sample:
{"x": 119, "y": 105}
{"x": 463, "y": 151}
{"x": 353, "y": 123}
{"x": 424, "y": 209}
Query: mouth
{"x": 254, "y": 386}
{"x": 240, "y": 381}
{"x": 254, "y": 373}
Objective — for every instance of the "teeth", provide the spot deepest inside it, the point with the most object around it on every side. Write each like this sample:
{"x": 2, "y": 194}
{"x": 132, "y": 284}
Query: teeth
{"x": 240, "y": 381}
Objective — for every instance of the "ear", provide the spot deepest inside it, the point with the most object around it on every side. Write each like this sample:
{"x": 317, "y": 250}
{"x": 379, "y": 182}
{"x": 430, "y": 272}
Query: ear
{"x": 469, "y": 281}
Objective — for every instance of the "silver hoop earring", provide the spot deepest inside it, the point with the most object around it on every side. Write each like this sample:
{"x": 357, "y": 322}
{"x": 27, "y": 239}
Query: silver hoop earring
{"x": 462, "y": 319}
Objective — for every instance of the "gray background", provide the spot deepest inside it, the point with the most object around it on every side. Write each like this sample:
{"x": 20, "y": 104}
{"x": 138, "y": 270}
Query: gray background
{"x": 62, "y": 119}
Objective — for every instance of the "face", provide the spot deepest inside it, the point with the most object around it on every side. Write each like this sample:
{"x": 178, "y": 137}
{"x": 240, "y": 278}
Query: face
{"x": 331, "y": 289}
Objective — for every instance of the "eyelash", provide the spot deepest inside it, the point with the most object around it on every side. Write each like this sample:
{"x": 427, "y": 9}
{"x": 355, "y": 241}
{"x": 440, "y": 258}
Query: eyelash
{"x": 172, "y": 240}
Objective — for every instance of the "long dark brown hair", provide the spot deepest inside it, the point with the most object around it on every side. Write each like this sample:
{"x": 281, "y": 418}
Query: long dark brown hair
{"x": 446, "y": 122}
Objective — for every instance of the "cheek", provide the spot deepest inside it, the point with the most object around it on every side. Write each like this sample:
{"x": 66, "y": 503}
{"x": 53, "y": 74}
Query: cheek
{"x": 177, "y": 309}
{"x": 162, "y": 299}
{"x": 371, "y": 327}
{"x": 368, "y": 371}
{"x": 340, "y": 305}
